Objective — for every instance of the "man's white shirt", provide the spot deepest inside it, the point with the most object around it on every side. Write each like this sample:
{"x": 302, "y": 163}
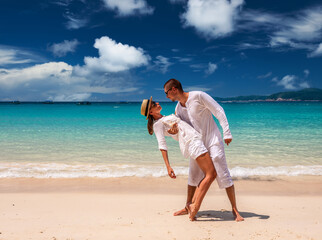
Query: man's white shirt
{"x": 198, "y": 113}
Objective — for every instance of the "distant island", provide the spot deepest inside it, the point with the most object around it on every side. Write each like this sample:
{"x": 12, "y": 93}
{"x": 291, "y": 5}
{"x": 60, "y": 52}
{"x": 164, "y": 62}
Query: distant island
{"x": 308, "y": 94}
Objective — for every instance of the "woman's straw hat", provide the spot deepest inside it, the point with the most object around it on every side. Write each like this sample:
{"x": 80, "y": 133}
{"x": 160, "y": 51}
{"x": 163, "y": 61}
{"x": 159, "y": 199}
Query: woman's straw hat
{"x": 145, "y": 107}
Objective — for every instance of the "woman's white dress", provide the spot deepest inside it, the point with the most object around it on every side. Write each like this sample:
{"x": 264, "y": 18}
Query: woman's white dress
{"x": 189, "y": 139}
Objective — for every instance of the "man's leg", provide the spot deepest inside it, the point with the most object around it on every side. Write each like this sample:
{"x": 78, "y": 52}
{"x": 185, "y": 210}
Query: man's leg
{"x": 232, "y": 198}
{"x": 224, "y": 179}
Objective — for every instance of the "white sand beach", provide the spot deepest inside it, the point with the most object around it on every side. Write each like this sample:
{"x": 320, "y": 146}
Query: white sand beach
{"x": 142, "y": 208}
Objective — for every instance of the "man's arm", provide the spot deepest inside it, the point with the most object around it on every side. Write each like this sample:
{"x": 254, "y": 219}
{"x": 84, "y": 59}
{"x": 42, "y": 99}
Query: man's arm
{"x": 219, "y": 113}
{"x": 228, "y": 141}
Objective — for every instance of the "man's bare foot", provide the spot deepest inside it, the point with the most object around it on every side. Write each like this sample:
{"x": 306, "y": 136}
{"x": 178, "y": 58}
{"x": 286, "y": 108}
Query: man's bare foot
{"x": 238, "y": 217}
{"x": 193, "y": 210}
{"x": 183, "y": 211}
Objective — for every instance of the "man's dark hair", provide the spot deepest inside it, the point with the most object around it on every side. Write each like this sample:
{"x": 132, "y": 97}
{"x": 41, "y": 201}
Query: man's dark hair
{"x": 173, "y": 83}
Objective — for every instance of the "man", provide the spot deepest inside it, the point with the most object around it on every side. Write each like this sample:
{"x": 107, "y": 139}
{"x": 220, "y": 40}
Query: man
{"x": 197, "y": 108}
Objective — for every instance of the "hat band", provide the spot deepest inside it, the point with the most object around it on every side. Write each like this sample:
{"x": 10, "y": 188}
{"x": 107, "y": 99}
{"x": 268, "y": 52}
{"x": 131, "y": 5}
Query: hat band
{"x": 147, "y": 107}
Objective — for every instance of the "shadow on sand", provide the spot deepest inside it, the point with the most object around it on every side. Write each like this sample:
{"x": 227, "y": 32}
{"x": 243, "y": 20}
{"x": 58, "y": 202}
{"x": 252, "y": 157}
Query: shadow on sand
{"x": 225, "y": 215}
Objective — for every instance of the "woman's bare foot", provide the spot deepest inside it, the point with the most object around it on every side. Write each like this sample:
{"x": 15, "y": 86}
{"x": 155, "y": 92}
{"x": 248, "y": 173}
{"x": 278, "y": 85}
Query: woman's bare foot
{"x": 237, "y": 216}
{"x": 183, "y": 211}
{"x": 193, "y": 210}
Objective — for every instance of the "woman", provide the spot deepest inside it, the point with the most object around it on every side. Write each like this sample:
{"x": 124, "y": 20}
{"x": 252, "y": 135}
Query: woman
{"x": 190, "y": 143}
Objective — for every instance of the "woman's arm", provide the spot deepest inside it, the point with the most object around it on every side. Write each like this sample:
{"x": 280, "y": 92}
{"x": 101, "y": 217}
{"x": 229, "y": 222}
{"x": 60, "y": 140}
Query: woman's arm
{"x": 158, "y": 129}
{"x": 167, "y": 164}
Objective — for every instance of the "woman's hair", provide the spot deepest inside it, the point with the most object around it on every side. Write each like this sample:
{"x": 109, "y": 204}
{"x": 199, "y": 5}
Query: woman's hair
{"x": 150, "y": 124}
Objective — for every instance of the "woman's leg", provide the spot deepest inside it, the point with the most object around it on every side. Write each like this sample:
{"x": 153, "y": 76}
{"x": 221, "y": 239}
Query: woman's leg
{"x": 205, "y": 163}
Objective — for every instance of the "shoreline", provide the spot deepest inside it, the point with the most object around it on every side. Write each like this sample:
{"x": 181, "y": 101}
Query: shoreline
{"x": 46, "y": 170}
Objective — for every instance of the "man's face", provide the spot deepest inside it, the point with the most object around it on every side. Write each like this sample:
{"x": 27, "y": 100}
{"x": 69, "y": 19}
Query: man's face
{"x": 171, "y": 93}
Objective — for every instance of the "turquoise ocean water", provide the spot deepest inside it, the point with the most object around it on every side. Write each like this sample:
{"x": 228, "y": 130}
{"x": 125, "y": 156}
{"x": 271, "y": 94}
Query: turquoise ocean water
{"x": 65, "y": 140}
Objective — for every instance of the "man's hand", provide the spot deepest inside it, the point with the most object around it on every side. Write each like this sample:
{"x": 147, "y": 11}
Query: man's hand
{"x": 227, "y": 141}
{"x": 171, "y": 173}
{"x": 174, "y": 130}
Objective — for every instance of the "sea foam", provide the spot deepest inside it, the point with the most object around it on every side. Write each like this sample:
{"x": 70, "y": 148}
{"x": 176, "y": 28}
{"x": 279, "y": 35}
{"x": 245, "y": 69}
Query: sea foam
{"x": 56, "y": 170}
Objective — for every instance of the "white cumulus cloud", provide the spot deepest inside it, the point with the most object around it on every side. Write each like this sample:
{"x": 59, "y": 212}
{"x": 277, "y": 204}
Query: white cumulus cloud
{"x": 288, "y": 82}
{"x": 211, "y": 68}
{"x": 39, "y": 82}
{"x": 60, "y": 71}
{"x": 56, "y": 81}
{"x": 129, "y": 7}
{"x": 212, "y": 18}
{"x": 109, "y": 73}
{"x": 291, "y": 82}
{"x": 61, "y": 49}
{"x": 113, "y": 57}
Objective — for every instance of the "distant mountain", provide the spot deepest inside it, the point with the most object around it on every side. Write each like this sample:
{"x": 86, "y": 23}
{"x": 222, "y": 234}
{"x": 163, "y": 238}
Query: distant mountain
{"x": 308, "y": 94}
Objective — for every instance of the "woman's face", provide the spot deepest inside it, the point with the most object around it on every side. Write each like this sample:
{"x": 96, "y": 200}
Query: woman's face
{"x": 155, "y": 108}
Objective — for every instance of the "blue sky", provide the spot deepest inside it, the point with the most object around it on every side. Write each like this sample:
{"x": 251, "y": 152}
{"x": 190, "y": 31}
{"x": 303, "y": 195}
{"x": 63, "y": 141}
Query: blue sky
{"x": 124, "y": 50}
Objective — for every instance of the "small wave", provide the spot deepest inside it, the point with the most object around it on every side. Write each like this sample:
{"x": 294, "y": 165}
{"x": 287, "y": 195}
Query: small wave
{"x": 315, "y": 170}
{"x": 55, "y": 170}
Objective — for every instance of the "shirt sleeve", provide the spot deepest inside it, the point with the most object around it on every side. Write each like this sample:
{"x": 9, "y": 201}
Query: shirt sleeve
{"x": 218, "y": 112}
{"x": 158, "y": 129}
{"x": 177, "y": 112}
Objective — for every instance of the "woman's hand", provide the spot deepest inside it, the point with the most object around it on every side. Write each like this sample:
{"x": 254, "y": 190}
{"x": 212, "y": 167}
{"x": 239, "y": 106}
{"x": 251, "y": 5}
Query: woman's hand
{"x": 171, "y": 172}
{"x": 174, "y": 130}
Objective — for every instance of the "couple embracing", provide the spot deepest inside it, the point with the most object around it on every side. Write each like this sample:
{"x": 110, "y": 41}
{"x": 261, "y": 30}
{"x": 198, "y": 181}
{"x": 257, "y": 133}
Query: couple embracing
{"x": 199, "y": 139}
